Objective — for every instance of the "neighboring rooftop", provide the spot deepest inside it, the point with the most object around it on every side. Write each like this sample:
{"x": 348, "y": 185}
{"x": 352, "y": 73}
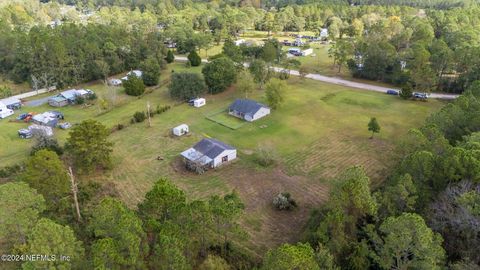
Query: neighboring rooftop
{"x": 246, "y": 106}
{"x": 211, "y": 147}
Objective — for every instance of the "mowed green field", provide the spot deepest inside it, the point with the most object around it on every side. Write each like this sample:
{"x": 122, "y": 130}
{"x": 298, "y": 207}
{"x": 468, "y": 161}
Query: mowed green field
{"x": 320, "y": 130}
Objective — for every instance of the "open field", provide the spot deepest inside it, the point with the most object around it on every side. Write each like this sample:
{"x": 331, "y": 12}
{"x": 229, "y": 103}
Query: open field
{"x": 319, "y": 131}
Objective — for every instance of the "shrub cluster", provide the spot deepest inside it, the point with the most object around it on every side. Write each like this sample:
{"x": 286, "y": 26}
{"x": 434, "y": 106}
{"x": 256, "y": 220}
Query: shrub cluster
{"x": 284, "y": 201}
{"x": 139, "y": 117}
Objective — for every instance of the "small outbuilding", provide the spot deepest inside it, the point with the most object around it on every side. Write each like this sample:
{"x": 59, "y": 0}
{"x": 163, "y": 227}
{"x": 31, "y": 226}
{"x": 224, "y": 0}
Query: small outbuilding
{"x": 248, "y": 109}
{"x": 58, "y": 101}
{"x": 307, "y": 52}
{"x": 180, "y": 130}
{"x": 208, "y": 153}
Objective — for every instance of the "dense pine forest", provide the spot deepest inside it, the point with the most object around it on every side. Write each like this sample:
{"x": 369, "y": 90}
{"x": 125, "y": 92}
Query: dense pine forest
{"x": 423, "y": 215}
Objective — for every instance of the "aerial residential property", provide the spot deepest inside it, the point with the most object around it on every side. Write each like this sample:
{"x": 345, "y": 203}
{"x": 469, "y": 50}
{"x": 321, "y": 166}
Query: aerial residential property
{"x": 240, "y": 135}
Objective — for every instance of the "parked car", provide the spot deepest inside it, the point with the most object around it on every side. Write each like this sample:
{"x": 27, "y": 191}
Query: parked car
{"x": 420, "y": 95}
{"x": 115, "y": 82}
{"x": 22, "y": 116}
{"x": 393, "y": 92}
{"x": 295, "y": 51}
{"x": 65, "y": 125}
{"x": 25, "y": 133}
{"x": 57, "y": 114}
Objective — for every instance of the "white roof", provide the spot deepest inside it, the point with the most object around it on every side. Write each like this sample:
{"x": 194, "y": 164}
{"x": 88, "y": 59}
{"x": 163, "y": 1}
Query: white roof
{"x": 2, "y": 105}
{"x": 82, "y": 92}
{"x": 199, "y": 99}
{"x": 44, "y": 117}
{"x": 10, "y": 100}
{"x": 193, "y": 155}
{"x": 48, "y": 130}
{"x": 137, "y": 73}
{"x": 182, "y": 126}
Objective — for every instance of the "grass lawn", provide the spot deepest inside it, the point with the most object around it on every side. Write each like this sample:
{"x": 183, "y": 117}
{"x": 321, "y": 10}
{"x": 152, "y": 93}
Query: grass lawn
{"x": 223, "y": 118}
{"x": 320, "y": 130}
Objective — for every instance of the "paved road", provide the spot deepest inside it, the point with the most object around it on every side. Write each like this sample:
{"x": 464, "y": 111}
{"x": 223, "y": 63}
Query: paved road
{"x": 339, "y": 81}
{"x": 37, "y": 102}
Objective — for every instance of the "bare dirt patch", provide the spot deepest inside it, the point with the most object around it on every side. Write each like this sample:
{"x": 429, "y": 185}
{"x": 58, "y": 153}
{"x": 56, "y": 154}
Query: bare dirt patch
{"x": 266, "y": 226}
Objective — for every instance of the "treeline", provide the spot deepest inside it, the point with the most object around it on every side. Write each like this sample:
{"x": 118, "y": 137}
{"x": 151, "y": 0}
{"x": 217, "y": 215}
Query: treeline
{"x": 438, "y": 52}
{"x": 434, "y": 4}
{"x": 425, "y": 216}
{"x": 69, "y": 54}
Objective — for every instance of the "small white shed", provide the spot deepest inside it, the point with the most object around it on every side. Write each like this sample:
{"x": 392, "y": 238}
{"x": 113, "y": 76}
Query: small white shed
{"x": 180, "y": 130}
{"x": 199, "y": 102}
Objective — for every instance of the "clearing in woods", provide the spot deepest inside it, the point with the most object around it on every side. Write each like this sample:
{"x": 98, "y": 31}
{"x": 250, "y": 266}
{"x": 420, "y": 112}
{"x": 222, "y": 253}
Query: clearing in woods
{"x": 320, "y": 130}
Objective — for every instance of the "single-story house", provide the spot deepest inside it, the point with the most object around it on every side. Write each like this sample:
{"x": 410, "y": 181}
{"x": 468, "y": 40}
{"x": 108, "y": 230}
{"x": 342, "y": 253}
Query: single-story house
{"x": 137, "y": 73}
{"x": 58, "y": 101}
{"x": 12, "y": 103}
{"x": 68, "y": 97}
{"x": 84, "y": 93}
{"x": 180, "y": 130}
{"x": 209, "y": 153}
{"x": 248, "y": 109}
{"x": 49, "y": 119}
{"x": 4, "y": 111}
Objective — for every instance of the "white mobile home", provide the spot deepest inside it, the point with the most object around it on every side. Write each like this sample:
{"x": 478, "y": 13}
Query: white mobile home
{"x": 4, "y": 111}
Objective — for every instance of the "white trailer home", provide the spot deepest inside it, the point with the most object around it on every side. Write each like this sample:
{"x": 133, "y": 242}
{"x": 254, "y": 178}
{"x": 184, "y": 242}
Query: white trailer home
{"x": 4, "y": 111}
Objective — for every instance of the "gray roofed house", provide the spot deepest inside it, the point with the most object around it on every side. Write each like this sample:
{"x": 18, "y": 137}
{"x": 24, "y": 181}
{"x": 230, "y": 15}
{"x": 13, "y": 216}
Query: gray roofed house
{"x": 209, "y": 153}
{"x": 70, "y": 95}
{"x": 248, "y": 109}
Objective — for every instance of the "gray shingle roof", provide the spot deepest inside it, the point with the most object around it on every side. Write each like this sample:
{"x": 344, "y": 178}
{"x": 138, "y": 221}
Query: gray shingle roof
{"x": 211, "y": 147}
{"x": 246, "y": 106}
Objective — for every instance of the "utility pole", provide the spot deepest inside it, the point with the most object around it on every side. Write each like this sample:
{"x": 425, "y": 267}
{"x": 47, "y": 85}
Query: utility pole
{"x": 148, "y": 113}
{"x": 74, "y": 191}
